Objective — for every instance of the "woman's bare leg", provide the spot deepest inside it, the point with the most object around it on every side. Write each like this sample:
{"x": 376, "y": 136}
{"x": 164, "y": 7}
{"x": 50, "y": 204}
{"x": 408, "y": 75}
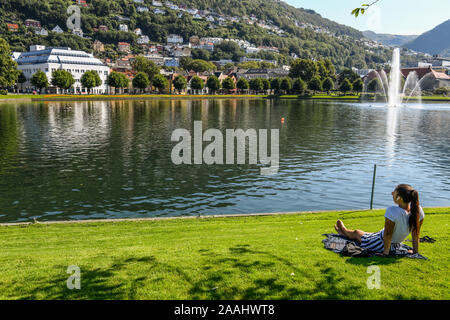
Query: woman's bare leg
{"x": 351, "y": 234}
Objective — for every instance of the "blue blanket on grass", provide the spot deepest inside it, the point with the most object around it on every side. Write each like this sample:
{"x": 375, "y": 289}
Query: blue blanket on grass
{"x": 343, "y": 245}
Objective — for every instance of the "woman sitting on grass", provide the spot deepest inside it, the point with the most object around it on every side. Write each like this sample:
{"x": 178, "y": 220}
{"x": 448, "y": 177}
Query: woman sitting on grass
{"x": 400, "y": 221}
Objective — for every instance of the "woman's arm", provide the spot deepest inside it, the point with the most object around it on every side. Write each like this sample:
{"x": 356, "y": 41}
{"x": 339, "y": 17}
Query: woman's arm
{"x": 415, "y": 237}
{"x": 387, "y": 236}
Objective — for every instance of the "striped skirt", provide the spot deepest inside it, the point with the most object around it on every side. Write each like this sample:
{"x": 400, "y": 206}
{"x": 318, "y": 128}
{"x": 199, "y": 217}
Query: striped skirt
{"x": 374, "y": 242}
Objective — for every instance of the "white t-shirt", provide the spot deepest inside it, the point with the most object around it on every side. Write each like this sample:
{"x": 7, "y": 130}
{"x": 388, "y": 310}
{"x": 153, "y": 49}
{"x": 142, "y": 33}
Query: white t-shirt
{"x": 401, "y": 219}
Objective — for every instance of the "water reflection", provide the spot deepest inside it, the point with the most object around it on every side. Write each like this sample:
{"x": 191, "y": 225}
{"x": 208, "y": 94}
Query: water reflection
{"x": 82, "y": 160}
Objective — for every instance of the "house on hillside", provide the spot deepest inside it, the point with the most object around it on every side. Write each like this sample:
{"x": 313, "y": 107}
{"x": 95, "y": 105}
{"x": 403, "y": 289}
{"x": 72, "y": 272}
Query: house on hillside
{"x": 57, "y": 29}
{"x": 102, "y": 28}
{"x": 32, "y": 23}
{"x": 13, "y": 27}
{"x": 78, "y": 32}
{"x": 174, "y": 38}
{"x": 124, "y": 47}
{"x": 123, "y": 27}
{"x": 143, "y": 40}
{"x": 142, "y": 9}
{"x": 81, "y": 3}
{"x": 41, "y": 32}
{"x": 98, "y": 46}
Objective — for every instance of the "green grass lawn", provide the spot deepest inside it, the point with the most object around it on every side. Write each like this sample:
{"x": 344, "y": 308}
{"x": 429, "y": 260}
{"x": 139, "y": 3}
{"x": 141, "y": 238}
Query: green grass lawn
{"x": 262, "y": 257}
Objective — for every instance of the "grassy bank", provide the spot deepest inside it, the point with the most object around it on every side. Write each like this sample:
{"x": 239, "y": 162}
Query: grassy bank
{"x": 263, "y": 257}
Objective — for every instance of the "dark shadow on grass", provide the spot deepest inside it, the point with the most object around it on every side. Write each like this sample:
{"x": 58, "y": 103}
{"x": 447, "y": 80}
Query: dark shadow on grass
{"x": 367, "y": 261}
{"x": 245, "y": 261}
{"x": 96, "y": 283}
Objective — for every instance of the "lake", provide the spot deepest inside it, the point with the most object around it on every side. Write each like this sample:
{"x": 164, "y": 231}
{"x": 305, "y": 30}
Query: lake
{"x": 112, "y": 159}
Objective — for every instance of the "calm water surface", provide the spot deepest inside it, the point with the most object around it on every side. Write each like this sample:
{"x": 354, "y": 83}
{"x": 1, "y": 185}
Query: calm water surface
{"x": 112, "y": 159}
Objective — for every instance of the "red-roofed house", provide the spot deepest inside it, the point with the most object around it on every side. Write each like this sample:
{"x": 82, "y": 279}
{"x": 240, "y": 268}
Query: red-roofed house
{"x": 12, "y": 27}
{"x": 421, "y": 71}
{"x": 81, "y": 3}
{"x": 32, "y": 23}
{"x": 434, "y": 80}
{"x": 124, "y": 47}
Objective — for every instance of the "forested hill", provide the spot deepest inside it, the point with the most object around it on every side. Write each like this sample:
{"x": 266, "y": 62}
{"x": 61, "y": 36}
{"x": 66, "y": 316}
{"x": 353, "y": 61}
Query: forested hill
{"x": 261, "y": 22}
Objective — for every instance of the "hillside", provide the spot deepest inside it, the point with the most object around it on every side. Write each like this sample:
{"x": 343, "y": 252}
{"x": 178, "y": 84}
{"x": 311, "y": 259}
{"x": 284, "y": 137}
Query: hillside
{"x": 436, "y": 41}
{"x": 271, "y": 23}
{"x": 393, "y": 40}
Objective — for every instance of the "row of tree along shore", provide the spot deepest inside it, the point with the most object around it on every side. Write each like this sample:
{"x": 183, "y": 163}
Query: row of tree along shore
{"x": 306, "y": 77}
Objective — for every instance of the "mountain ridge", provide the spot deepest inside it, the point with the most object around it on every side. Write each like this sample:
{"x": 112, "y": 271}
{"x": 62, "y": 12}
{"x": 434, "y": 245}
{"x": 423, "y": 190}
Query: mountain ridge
{"x": 434, "y": 42}
{"x": 388, "y": 39}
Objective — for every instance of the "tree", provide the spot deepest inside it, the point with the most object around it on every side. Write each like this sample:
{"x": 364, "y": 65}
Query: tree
{"x": 141, "y": 81}
{"x": 363, "y": 8}
{"x": 286, "y": 85}
{"x": 303, "y": 68}
{"x": 117, "y": 80}
{"x": 358, "y": 85}
{"x": 256, "y": 85}
{"x": 213, "y": 84}
{"x": 39, "y": 80}
{"x": 242, "y": 84}
{"x": 228, "y": 84}
{"x": 299, "y": 86}
{"x": 160, "y": 82}
{"x": 180, "y": 83}
{"x": 21, "y": 80}
{"x": 199, "y": 65}
{"x": 197, "y": 83}
{"x": 331, "y": 70}
{"x": 8, "y": 67}
{"x": 201, "y": 54}
{"x": 275, "y": 84}
{"x": 348, "y": 74}
{"x": 374, "y": 85}
{"x": 328, "y": 84}
{"x": 62, "y": 79}
{"x": 346, "y": 86}
{"x": 266, "y": 84}
{"x": 142, "y": 64}
{"x": 90, "y": 79}
{"x": 315, "y": 84}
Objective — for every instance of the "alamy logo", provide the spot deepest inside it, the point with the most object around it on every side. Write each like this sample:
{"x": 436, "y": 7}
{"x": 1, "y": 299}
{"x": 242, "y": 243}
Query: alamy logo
{"x": 374, "y": 281}
{"x": 74, "y": 20}
{"x": 74, "y": 281}
{"x": 235, "y": 140}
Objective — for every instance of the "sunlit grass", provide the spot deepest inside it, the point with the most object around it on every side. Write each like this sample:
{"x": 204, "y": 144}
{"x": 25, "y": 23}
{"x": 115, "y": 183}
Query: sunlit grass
{"x": 265, "y": 257}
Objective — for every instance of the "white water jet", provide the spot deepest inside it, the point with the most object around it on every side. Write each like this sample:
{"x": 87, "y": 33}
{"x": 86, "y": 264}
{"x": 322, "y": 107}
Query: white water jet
{"x": 395, "y": 81}
{"x": 392, "y": 88}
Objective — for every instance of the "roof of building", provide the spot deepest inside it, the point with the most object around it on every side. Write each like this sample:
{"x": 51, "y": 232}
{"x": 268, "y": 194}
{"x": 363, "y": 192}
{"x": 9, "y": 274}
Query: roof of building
{"x": 421, "y": 71}
{"x": 440, "y": 75}
{"x": 58, "y": 55}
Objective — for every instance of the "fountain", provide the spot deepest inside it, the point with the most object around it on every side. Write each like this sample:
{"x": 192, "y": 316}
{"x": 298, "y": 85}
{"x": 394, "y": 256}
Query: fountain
{"x": 392, "y": 88}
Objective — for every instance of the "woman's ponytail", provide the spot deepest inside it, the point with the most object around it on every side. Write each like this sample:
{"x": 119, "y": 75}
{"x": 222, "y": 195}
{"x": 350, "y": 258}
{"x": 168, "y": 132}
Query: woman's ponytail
{"x": 415, "y": 214}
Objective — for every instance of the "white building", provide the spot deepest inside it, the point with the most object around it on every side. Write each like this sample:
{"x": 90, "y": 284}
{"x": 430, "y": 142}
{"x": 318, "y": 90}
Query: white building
{"x": 41, "y": 32}
{"x": 57, "y": 29}
{"x": 78, "y": 32}
{"x": 123, "y": 27}
{"x": 142, "y": 9}
{"x": 174, "y": 38}
{"x": 143, "y": 40}
{"x": 51, "y": 59}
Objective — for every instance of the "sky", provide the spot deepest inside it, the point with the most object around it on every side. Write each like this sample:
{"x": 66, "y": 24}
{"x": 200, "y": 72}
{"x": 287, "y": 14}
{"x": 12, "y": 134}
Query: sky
{"x": 404, "y": 17}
